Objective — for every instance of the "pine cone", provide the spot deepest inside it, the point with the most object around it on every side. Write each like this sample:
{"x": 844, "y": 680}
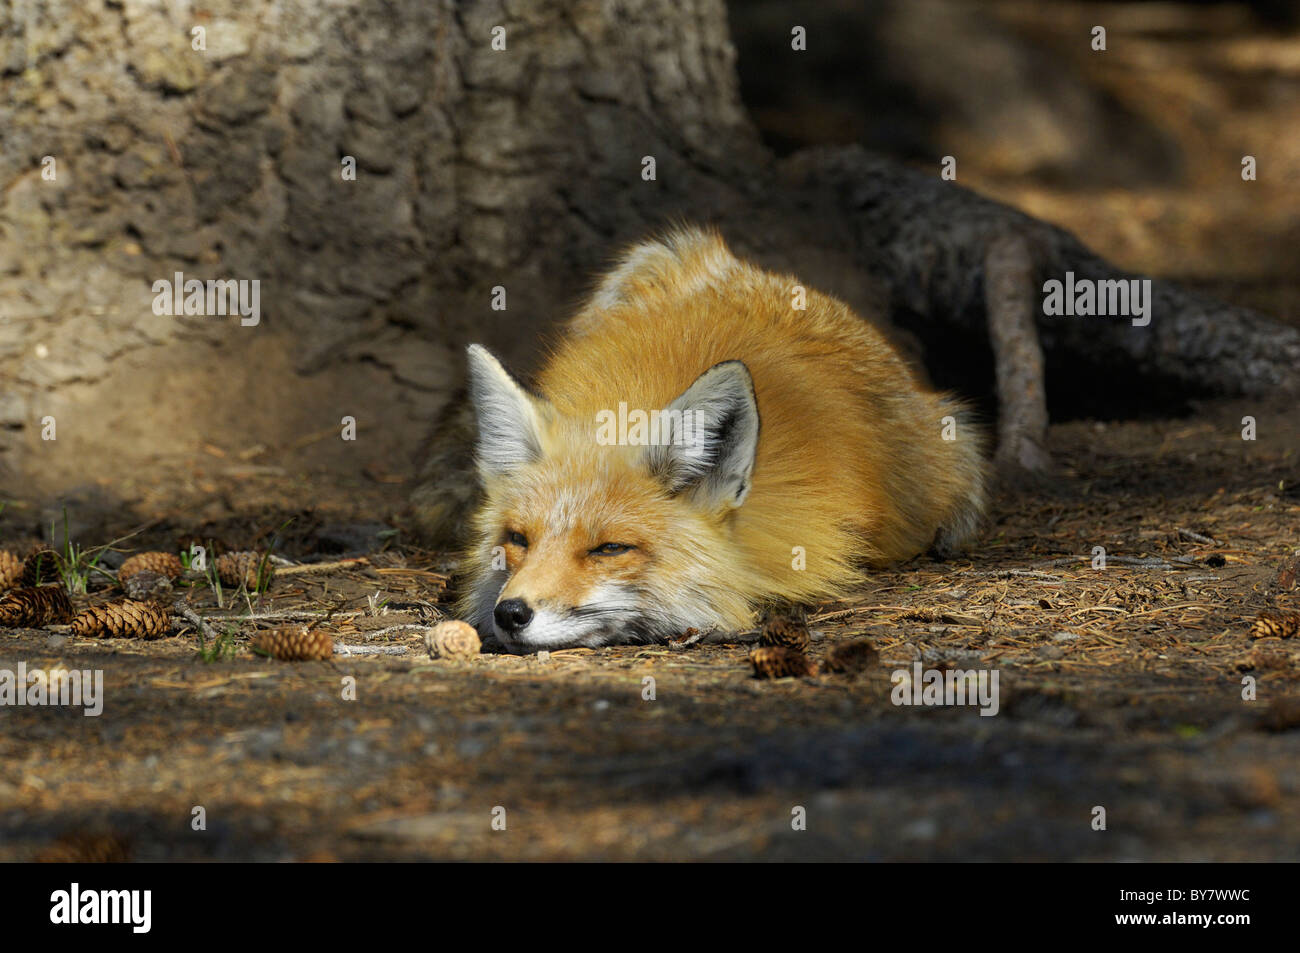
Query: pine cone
{"x": 785, "y": 630}
{"x": 11, "y": 569}
{"x": 145, "y": 585}
{"x": 236, "y": 568}
{"x": 849, "y": 658}
{"x": 779, "y": 661}
{"x": 40, "y": 567}
{"x": 123, "y": 619}
{"x": 452, "y": 640}
{"x": 295, "y": 643}
{"x": 1274, "y": 623}
{"x": 164, "y": 564}
{"x": 31, "y": 608}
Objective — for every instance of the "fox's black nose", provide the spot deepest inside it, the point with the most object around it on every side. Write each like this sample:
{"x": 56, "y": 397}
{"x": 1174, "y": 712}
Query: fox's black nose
{"x": 513, "y": 614}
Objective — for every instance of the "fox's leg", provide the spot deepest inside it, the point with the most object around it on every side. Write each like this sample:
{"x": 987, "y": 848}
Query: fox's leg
{"x": 448, "y": 491}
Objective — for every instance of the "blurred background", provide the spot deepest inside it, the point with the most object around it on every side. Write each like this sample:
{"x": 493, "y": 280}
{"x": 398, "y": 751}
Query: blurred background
{"x": 1136, "y": 150}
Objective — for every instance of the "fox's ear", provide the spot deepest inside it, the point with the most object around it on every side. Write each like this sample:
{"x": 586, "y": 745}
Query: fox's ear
{"x": 509, "y": 418}
{"x": 713, "y": 441}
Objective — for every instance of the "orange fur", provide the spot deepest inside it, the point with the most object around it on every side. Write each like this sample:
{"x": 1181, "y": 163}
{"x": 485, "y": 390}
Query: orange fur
{"x": 850, "y": 468}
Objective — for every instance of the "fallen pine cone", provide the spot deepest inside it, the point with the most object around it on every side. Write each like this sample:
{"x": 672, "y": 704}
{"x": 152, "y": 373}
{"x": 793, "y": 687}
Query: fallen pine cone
{"x": 234, "y": 569}
{"x": 786, "y": 630}
{"x": 849, "y": 658}
{"x": 123, "y": 619}
{"x": 452, "y": 639}
{"x": 40, "y": 567}
{"x": 33, "y": 607}
{"x": 145, "y": 585}
{"x": 1278, "y": 624}
{"x": 295, "y": 643}
{"x": 779, "y": 661}
{"x": 11, "y": 569}
{"x": 164, "y": 564}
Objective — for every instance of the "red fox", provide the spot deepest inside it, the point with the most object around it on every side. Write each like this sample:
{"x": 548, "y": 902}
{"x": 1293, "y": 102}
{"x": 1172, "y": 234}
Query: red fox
{"x": 698, "y": 448}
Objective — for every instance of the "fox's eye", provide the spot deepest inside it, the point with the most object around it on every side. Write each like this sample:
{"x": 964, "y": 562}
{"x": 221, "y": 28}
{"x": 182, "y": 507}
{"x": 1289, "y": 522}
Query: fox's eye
{"x": 517, "y": 539}
{"x": 611, "y": 549}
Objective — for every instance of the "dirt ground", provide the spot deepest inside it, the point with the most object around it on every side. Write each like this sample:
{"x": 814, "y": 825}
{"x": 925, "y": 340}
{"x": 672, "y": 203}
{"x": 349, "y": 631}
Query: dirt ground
{"x": 1119, "y": 687}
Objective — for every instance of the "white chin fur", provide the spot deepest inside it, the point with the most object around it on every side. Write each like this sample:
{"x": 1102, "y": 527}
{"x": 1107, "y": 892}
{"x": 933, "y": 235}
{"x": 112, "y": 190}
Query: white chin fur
{"x": 619, "y": 621}
{"x": 548, "y": 630}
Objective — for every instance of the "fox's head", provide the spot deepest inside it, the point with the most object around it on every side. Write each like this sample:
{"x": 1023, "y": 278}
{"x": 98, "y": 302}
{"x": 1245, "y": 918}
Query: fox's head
{"x": 586, "y": 541}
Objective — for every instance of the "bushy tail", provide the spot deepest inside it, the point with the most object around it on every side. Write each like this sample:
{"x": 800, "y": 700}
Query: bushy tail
{"x": 968, "y": 463}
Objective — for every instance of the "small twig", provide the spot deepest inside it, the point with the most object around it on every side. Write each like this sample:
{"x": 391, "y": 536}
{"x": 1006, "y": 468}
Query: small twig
{"x": 1197, "y": 537}
{"x": 192, "y": 617}
{"x": 404, "y": 627}
{"x": 298, "y": 568}
{"x": 298, "y": 615}
{"x": 717, "y": 637}
{"x": 342, "y": 649}
{"x": 1029, "y": 573}
{"x": 1155, "y": 562}
{"x": 692, "y": 637}
{"x": 1146, "y": 562}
